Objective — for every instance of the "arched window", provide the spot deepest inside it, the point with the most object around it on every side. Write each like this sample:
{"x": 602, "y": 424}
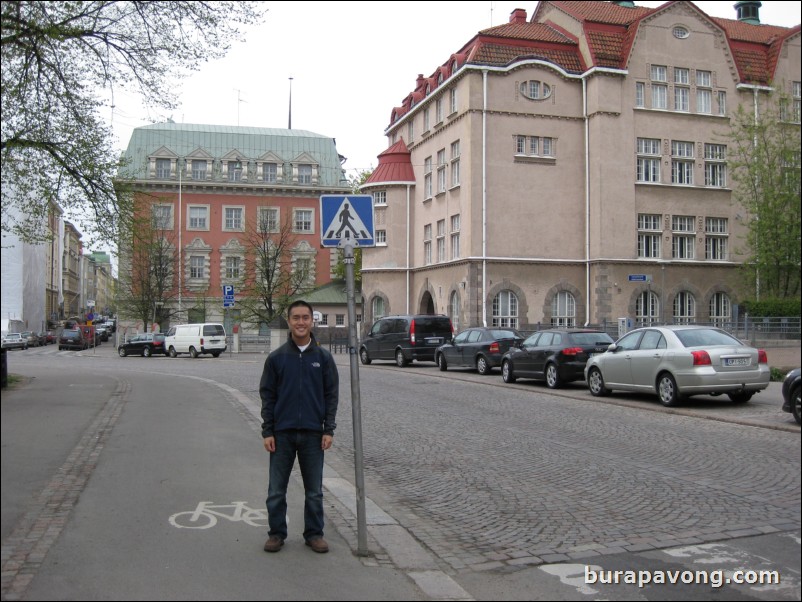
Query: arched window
{"x": 684, "y": 308}
{"x": 378, "y": 308}
{"x": 563, "y": 310}
{"x": 647, "y": 309}
{"x": 505, "y": 310}
{"x": 720, "y": 309}
{"x": 453, "y": 310}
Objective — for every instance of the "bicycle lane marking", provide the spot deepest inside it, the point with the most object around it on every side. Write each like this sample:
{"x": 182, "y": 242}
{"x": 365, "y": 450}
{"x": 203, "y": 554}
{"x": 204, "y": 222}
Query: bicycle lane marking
{"x": 206, "y": 514}
{"x": 26, "y": 547}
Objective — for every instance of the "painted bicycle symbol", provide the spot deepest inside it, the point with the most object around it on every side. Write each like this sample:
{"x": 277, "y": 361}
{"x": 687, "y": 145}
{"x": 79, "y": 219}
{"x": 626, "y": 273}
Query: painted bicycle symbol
{"x": 206, "y": 514}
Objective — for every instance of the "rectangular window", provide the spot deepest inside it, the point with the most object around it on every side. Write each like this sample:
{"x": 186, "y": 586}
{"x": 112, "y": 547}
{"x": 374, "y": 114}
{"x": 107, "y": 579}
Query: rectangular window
{"x": 381, "y": 237}
{"x": 722, "y": 103}
{"x": 659, "y": 96}
{"x": 162, "y": 217}
{"x": 796, "y": 93}
{"x": 196, "y": 266}
{"x": 380, "y": 197}
{"x": 441, "y": 170}
{"x": 683, "y": 241}
{"x": 659, "y": 73}
{"x": 640, "y": 94}
{"x": 455, "y": 251}
{"x": 199, "y": 169}
{"x": 233, "y": 218}
{"x": 520, "y": 142}
{"x": 304, "y": 174}
{"x": 682, "y": 162}
{"x": 427, "y": 244}
{"x": 441, "y": 240}
{"x": 426, "y": 119}
{"x": 339, "y": 319}
{"x": 198, "y": 217}
{"x": 324, "y": 320}
{"x": 455, "y": 153}
{"x": 438, "y": 111}
{"x": 268, "y": 219}
{"x": 270, "y": 172}
{"x": 649, "y": 235}
{"x": 453, "y": 95}
{"x": 163, "y": 168}
{"x": 534, "y": 146}
{"x": 303, "y": 220}
{"x": 703, "y": 78}
{"x": 648, "y": 161}
{"x": 235, "y": 171}
{"x": 427, "y": 178}
{"x": 704, "y": 101}
{"x": 682, "y": 99}
{"x": 682, "y": 76}
{"x": 716, "y": 165}
{"x": 411, "y": 131}
{"x": 232, "y": 267}
{"x": 716, "y": 238}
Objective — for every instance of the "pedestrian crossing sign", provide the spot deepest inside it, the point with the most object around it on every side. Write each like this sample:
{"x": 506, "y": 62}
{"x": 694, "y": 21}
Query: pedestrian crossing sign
{"x": 346, "y": 218}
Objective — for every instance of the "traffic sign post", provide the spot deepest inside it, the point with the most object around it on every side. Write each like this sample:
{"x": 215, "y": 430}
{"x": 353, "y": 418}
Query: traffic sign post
{"x": 346, "y": 218}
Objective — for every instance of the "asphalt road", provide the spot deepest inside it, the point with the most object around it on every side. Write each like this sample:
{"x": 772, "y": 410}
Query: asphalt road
{"x": 513, "y": 492}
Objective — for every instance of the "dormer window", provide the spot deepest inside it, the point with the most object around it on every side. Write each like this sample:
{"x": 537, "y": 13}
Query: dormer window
{"x": 454, "y": 67}
{"x": 535, "y": 90}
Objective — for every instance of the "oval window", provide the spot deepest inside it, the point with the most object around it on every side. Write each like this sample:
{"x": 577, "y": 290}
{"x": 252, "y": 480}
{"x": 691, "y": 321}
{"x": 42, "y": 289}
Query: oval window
{"x": 535, "y": 89}
{"x": 681, "y": 32}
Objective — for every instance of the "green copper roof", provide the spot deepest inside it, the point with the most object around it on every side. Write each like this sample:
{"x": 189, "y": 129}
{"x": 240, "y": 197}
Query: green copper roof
{"x": 250, "y": 143}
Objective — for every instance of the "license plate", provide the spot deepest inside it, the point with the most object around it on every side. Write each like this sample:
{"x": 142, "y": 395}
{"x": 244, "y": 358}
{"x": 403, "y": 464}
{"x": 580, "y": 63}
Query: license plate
{"x": 434, "y": 341}
{"x": 737, "y": 361}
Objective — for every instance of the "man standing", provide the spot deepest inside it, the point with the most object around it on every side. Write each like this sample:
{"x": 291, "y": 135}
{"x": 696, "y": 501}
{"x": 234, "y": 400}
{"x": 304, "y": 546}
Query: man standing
{"x": 300, "y": 393}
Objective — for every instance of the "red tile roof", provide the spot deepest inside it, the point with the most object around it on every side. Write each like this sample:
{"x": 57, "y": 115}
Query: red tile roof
{"x": 395, "y": 165}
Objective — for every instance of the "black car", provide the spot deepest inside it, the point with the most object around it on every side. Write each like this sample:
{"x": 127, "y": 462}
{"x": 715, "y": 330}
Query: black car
{"x": 791, "y": 393}
{"x": 481, "y": 348}
{"x": 145, "y": 344}
{"x": 405, "y": 338}
{"x": 556, "y": 356}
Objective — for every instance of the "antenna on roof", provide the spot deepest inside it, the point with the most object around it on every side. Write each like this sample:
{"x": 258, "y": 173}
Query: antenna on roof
{"x": 289, "y": 121}
{"x": 239, "y": 100}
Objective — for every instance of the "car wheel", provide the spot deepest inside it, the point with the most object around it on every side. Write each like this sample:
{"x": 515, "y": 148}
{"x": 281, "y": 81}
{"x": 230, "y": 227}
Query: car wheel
{"x": 216, "y": 354}
{"x": 441, "y": 362}
{"x": 173, "y": 352}
{"x": 667, "y": 390}
{"x": 506, "y": 372}
{"x": 796, "y": 410}
{"x": 596, "y": 383}
{"x": 193, "y": 353}
{"x": 146, "y": 352}
{"x": 740, "y": 397}
{"x": 482, "y": 366}
{"x": 364, "y": 357}
{"x": 400, "y": 360}
{"x": 553, "y": 377}
{"x": 122, "y": 352}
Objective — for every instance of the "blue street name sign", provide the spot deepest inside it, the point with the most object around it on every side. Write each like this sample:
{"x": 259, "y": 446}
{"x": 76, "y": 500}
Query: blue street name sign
{"x": 639, "y": 278}
{"x": 346, "y": 218}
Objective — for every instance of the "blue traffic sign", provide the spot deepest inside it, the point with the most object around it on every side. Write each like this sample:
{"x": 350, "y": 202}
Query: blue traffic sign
{"x": 639, "y": 278}
{"x": 345, "y": 218}
{"x": 228, "y": 290}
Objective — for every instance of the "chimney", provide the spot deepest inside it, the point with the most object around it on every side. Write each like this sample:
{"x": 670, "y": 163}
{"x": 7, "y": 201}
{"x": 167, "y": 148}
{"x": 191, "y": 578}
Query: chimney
{"x": 419, "y": 81}
{"x": 748, "y": 12}
{"x": 518, "y": 15}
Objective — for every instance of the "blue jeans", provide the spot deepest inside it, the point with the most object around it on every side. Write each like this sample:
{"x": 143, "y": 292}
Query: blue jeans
{"x": 306, "y": 445}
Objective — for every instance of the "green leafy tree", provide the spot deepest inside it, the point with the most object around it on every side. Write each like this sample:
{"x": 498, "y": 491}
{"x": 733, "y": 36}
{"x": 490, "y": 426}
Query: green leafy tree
{"x": 63, "y": 62}
{"x": 764, "y": 155}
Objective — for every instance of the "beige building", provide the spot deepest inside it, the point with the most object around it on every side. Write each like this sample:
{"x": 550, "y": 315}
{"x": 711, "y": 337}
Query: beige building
{"x": 572, "y": 168}
{"x": 71, "y": 272}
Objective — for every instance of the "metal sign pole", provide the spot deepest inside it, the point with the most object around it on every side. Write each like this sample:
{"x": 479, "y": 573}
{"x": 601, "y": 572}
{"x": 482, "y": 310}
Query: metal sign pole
{"x": 356, "y": 404}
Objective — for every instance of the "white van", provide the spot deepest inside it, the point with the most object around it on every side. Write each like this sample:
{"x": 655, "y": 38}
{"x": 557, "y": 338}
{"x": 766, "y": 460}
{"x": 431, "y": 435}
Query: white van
{"x": 195, "y": 339}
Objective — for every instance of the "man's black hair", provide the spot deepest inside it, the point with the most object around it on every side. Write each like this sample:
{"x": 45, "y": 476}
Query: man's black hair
{"x": 299, "y": 303}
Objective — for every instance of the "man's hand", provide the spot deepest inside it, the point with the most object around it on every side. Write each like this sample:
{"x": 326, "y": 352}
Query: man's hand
{"x": 326, "y": 442}
{"x": 270, "y": 444}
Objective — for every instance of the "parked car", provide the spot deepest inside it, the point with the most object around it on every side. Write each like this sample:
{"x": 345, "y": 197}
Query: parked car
{"x": 41, "y": 338}
{"x": 145, "y": 344}
{"x": 405, "y": 338}
{"x": 679, "y": 361}
{"x": 481, "y": 348}
{"x": 72, "y": 338}
{"x": 30, "y": 336}
{"x": 15, "y": 340}
{"x": 103, "y": 333}
{"x": 51, "y": 337}
{"x": 791, "y": 393}
{"x": 196, "y": 339}
{"x": 556, "y": 356}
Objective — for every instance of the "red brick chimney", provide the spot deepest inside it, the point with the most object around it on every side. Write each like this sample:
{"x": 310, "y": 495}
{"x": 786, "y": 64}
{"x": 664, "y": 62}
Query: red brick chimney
{"x": 518, "y": 15}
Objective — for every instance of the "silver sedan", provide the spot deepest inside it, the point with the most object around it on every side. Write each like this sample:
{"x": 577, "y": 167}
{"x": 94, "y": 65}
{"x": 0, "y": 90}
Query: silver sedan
{"x": 679, "y": 361}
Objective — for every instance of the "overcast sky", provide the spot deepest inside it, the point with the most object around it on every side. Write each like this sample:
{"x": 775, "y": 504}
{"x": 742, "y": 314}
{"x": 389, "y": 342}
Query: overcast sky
{"x": 351, "y": 63}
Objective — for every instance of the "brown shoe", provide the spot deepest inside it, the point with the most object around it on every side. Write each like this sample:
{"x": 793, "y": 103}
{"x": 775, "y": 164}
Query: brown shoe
{"x": 318, "y": 544}
{"x": 273, "y": 543}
